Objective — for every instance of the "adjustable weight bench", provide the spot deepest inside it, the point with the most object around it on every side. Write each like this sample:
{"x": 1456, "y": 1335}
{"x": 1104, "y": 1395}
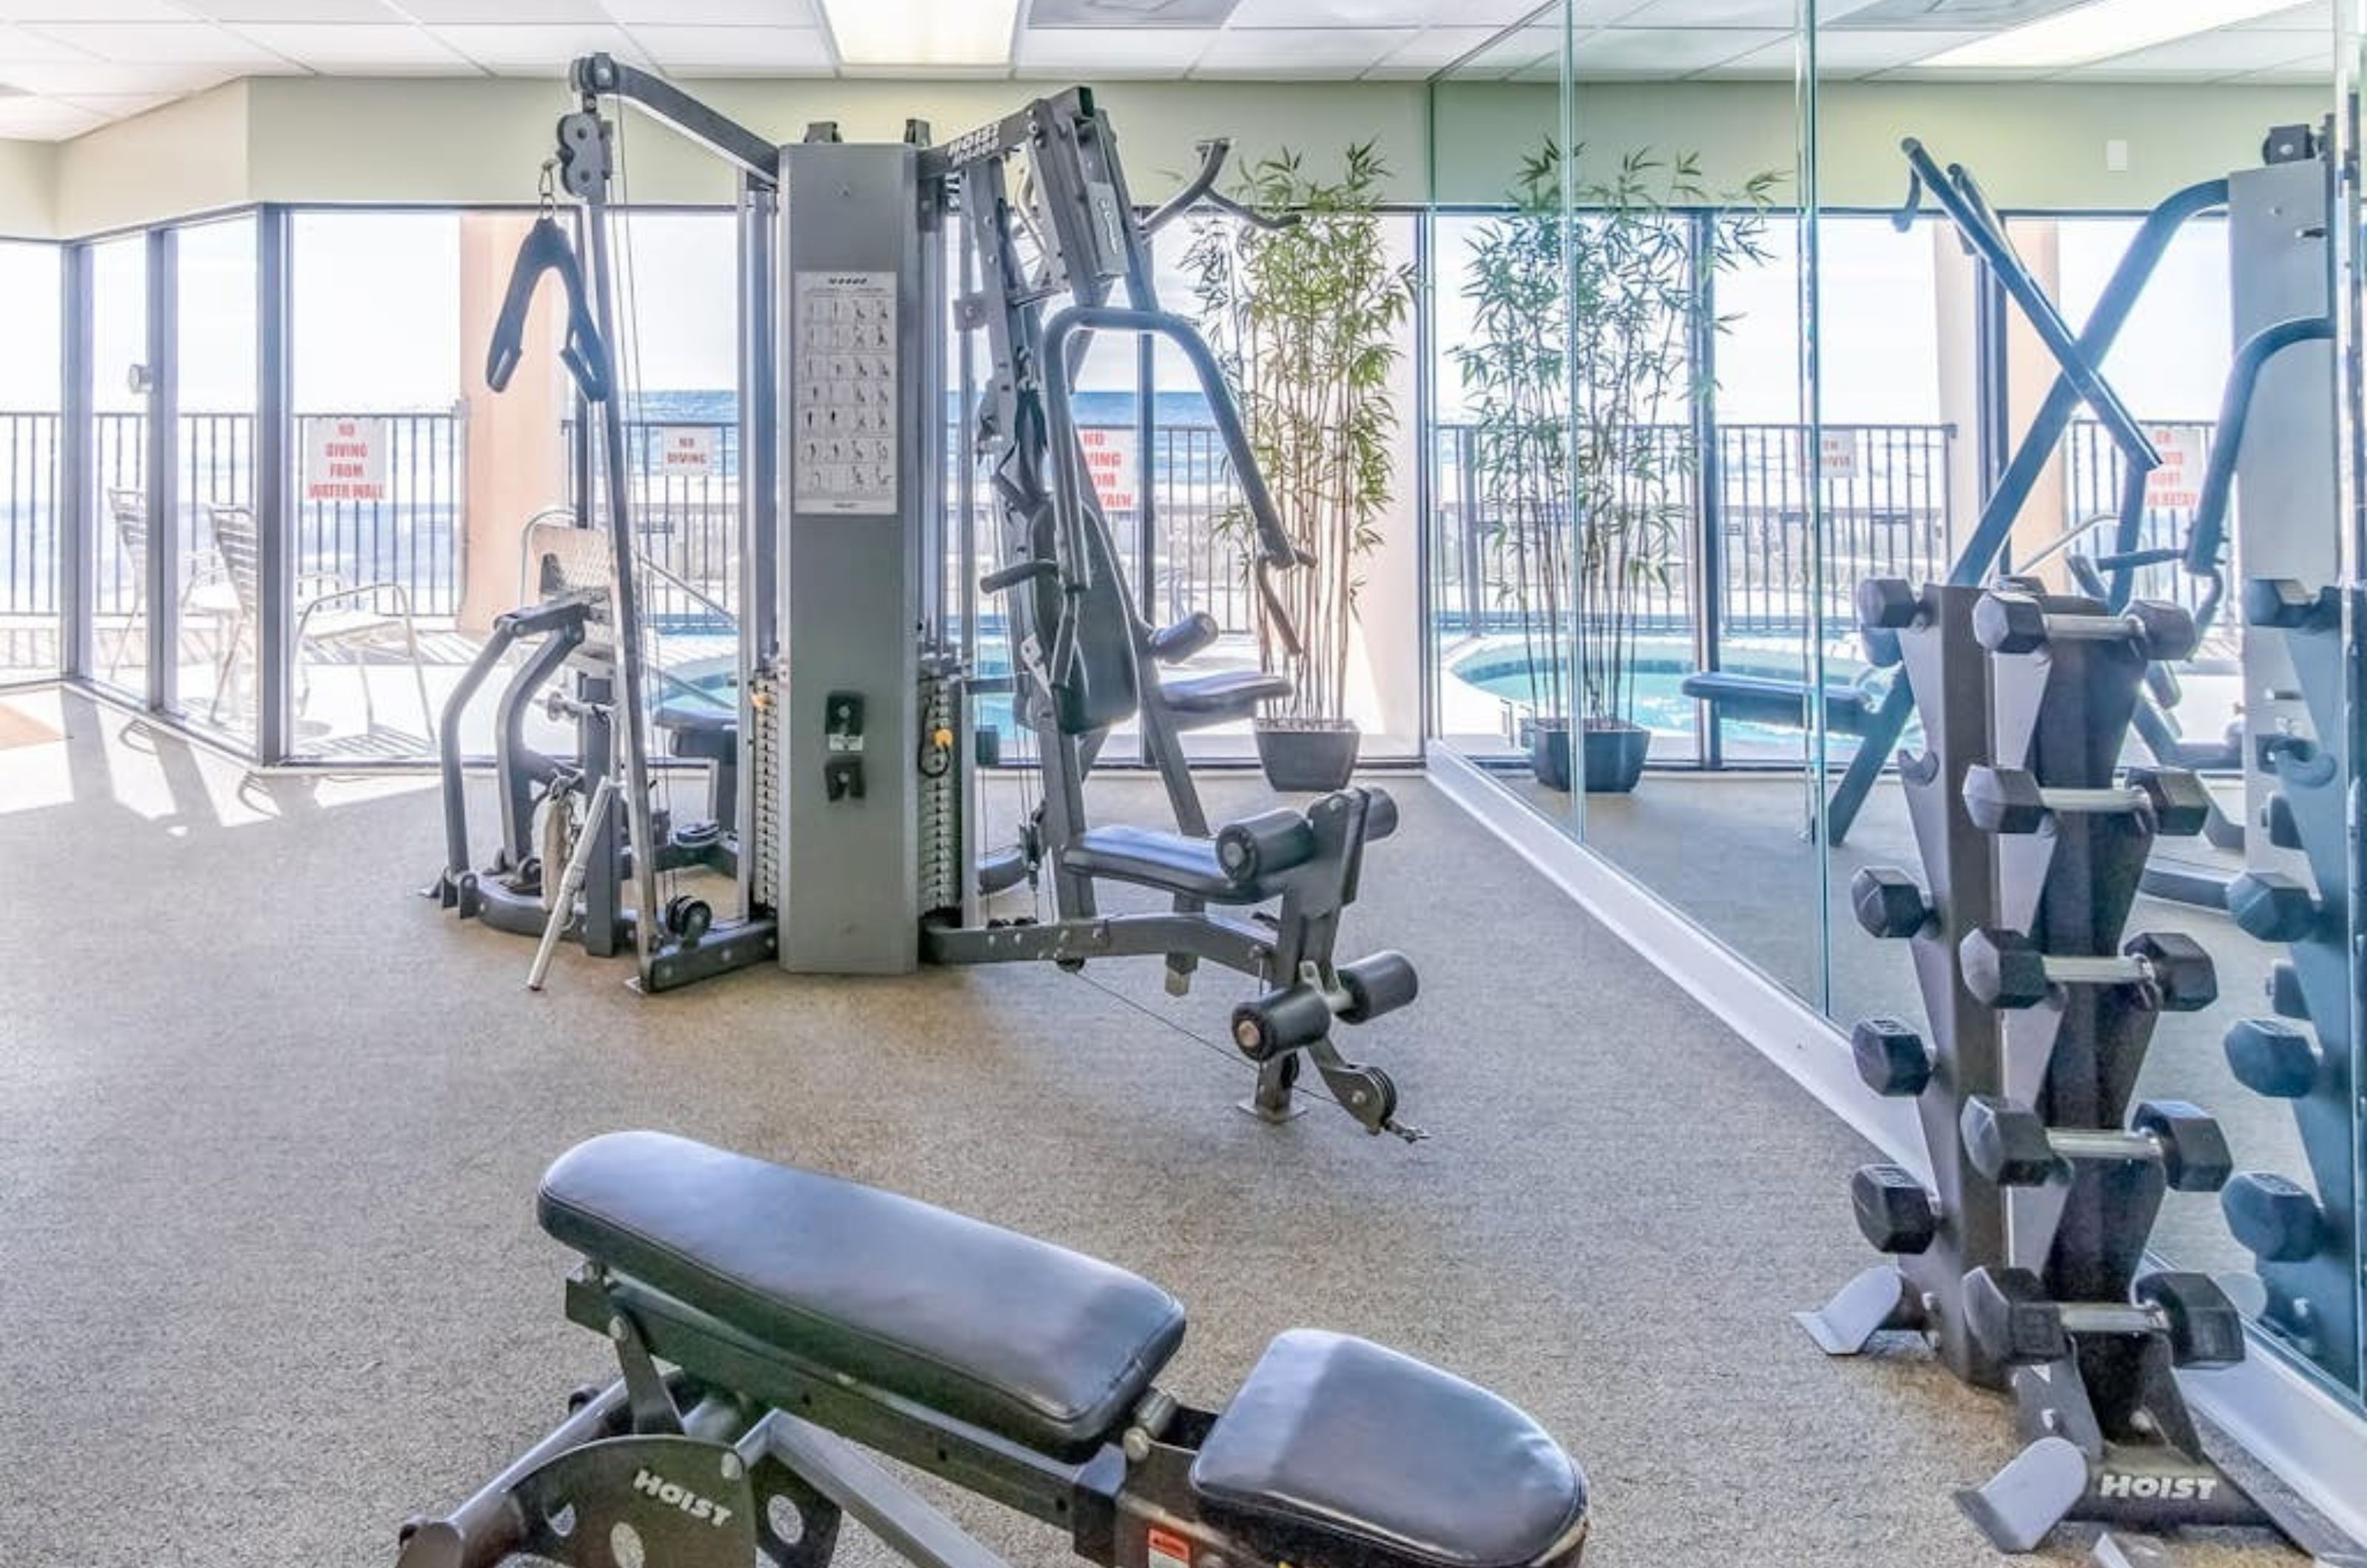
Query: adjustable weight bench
{"x": 801, "y": 1315}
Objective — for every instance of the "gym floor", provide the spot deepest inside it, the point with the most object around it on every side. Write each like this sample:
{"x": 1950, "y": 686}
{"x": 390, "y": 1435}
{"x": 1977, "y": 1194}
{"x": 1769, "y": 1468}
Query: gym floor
{"x": 271, "y": 1279}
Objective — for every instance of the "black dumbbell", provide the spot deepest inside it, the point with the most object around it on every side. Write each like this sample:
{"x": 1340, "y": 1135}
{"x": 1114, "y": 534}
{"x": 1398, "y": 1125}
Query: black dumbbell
{"x": 2009, "y": 1315}
{"x": 2276, "y": 1220}
{"x": 2014, "y": 1146}
{"x": 2004, "y": 968}
{"x": 2274, "y": 1059}
{"x": 1886, "y": 607}
{"x": 2015, "y": 621}
{"x": 2011, "y": 800}
{"x": 2286, "y": 998}
{"x": 1894, "y": 1211}
{"x": 1891, "y": 1057}
{"x": 2273, "y": 907}
{"x": 2283, "y": 605}
{"x": 1889, "y": 903}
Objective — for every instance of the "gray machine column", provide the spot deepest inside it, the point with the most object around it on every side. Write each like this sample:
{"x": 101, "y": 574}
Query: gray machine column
{"x": 857, "y": 315}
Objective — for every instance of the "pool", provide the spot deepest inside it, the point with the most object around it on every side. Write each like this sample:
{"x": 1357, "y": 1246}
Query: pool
{"x": 1499, "y": 668}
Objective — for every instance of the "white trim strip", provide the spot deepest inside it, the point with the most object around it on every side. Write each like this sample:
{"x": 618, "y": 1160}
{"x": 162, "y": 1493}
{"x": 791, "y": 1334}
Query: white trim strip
{"x": 2306, "y": 1437}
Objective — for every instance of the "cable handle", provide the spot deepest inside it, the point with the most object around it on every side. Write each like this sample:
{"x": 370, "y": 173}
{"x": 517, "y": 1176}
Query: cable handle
{"x": 1202, "y": 192}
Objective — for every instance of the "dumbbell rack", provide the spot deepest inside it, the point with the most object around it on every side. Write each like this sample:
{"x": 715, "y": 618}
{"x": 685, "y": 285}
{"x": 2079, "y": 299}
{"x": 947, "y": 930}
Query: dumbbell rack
{"x": 2302, "y": 1237}
{"x": 2022, "y": 1262}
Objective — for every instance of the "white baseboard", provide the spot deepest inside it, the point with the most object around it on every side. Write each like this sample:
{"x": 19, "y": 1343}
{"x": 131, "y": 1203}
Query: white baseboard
{"x": 2310, "y": 1439}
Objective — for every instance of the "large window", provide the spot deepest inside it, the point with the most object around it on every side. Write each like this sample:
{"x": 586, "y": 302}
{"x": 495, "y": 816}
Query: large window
{"x": 214, "y": 539}
{"x": 32, "y": 609}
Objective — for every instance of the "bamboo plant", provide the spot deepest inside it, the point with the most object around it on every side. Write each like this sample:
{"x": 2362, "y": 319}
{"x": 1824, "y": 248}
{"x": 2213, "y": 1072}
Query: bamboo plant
{"x": 1308, "y": 322}
{"x": 1581, "y": 377}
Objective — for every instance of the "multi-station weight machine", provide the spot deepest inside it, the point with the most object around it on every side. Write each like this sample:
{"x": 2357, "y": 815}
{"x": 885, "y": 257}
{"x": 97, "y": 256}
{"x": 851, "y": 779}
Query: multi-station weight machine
{"x": 858, "y": 849}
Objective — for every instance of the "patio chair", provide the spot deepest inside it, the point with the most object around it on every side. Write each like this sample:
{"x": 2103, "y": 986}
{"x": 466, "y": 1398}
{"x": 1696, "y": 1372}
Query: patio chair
{"x": 204, "y": 589}
{"x": 330, "y": 614}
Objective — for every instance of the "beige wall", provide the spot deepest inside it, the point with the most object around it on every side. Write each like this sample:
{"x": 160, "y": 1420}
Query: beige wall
{"x": 2038, "y": 146}
{"x": 186, "y": 157}
{"x": 29, "y": 190}
{"x": 317, "y": 139}
{"x": 358, "y": 141}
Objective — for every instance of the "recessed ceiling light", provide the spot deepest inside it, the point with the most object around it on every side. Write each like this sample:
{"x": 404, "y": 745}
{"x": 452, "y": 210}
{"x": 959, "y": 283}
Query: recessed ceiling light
{"x": 923, "y": 32}
{"x": 2100, "y": 31}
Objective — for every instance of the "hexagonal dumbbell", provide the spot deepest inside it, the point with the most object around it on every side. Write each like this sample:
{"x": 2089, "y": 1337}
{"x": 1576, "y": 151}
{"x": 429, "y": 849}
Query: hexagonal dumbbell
{"x": 1889, "y": 903}
{"x": 2010, "y": 1315}
{"x": 2285, "y": 604}
{"x": 2278, "y": 1220}
{"x": 1891, "y": 1057}
{"x": 2004, "y": 968}
{"x": 2011, "y": 800}
{"x": 2273, "y": 907}
{"x": 1886, "y": 607}
{"x": 2011, "y": 620}
{"x": 2274, "y": 1059}
{"x": 2013, "y": 1147}
{"x": 1894, "y": 1211}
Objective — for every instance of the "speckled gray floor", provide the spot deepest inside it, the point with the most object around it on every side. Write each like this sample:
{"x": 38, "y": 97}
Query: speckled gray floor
{"x": 269, "y": 1277}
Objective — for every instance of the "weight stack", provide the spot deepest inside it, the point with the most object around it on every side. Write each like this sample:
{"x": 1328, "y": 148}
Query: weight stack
{"x": 2301, "y": 1226}
{"x": 1935, "y": 1236}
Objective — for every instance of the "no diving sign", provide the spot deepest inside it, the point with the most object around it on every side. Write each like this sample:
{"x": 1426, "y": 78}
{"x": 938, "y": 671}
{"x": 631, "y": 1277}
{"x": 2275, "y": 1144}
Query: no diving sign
{"x": 344, "y": 458}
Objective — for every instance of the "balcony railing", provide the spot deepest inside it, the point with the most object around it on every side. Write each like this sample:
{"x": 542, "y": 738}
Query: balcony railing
{"x": 1886, "y": 493}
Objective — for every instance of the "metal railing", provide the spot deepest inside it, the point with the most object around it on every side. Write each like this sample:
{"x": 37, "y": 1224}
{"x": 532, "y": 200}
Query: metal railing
{"x": 2093, "y": 473}
{"x": 1885, "y": 506}
{"x": 1886, "y": 509}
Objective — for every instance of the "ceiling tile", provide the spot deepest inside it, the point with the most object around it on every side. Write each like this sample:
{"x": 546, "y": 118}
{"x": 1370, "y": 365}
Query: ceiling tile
{"x": 1301, "y": 52}
{"x": 1514, "y": 52}
{"x": 358, "y": 50}
{"x": 2211, "y": 54}
{"x": 1667, "y": 51}
{"x": 45, "y": 120}
{"x": 717, "y": 13}
{"x": 1431, "y": 50}
{"x": 356, "y": 11}
{"x": 501, "y": 13}
{"x": 718, "y": 51}
{"x": 117, "y": 105}
{"x": 1843, "y": 53}
{"x": 1783, "y": 14}
{"x": 538, "y": 49}
{"x": 2318, "y": 16}
{"x": 160, "y": 43}
{"x": 1378, "y": 13}
{"x": 94, "y": 11}
{"x": 101, "y": 77}
{"x": 22, "y": 45}
{"x": 1116, "y": 52}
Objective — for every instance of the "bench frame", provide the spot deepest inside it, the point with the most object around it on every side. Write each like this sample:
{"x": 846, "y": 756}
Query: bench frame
{"x": 696, "y": 1458}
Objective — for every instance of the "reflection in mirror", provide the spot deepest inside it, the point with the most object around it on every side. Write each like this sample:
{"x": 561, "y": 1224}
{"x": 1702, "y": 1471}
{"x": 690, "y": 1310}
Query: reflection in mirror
{"x": 2133, "y": 373}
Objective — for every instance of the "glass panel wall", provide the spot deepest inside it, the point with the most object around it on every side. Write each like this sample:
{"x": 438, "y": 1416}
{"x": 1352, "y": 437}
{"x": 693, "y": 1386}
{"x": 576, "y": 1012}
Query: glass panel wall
{"x": 215, "y": 540}
{"x": 120, "y": 377}
{"x": 383, "y": 493}
{"x": 31, "y": 584}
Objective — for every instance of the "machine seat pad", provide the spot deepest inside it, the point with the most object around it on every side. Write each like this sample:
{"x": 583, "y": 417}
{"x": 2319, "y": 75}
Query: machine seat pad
{"x": 694, "y": 729}
{"x": 1032, "y": 1342}
{"x": 1168, "y": 862}
{"x": 1339, "y": 1450}
{"x": 1225, "y": 692}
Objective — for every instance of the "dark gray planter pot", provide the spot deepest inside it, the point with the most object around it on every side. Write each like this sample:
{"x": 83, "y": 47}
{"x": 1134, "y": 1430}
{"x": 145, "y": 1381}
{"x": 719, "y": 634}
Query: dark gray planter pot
{"x": 1615, "y": 751}
{"x": 1308, "y": 756}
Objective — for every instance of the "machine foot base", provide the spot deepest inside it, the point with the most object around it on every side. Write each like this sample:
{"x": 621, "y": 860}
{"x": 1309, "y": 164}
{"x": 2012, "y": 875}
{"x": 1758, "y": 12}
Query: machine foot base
{"x": 1872, "y": 1301}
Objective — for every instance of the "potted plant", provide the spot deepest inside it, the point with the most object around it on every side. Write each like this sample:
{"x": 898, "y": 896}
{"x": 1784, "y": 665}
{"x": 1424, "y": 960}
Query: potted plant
{"x": 1580, "y": 380}
{"x": 1308, "y": 319}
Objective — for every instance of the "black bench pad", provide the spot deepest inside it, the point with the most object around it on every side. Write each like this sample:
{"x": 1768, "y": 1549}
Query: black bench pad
{"x": 1040, "y": 1345}
{"x": 695, "y": 730}
{"x": 1227, "y": 692}
{"x": 1169, "y": 862}
{"x": 1335, "y": 1436}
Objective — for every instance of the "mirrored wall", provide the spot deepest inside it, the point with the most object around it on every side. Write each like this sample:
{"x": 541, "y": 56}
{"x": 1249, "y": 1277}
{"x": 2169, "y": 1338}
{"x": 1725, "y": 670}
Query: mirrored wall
{"x": 1735, "y": 307}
